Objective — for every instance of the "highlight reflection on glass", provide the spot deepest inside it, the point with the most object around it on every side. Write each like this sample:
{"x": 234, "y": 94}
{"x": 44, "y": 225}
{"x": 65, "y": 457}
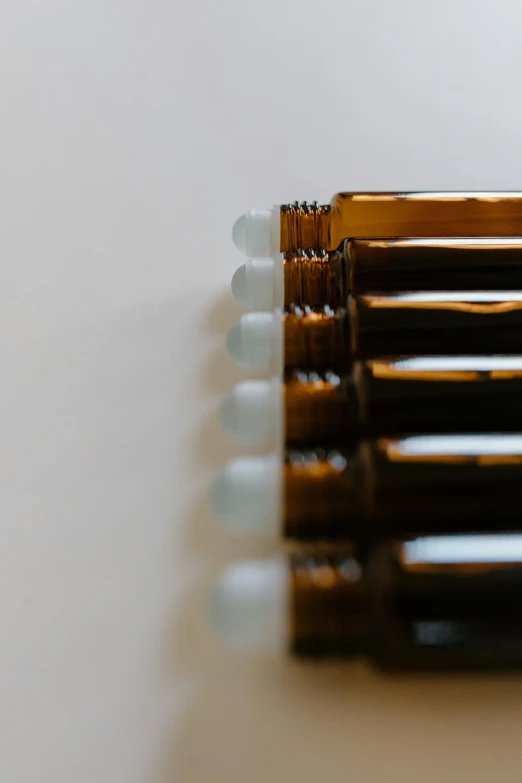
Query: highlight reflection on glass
{"x": 460, "y": 444}
{"x": 459, "y": 363}
{"x": 472, "y": 297}
{"x": 464, "y": 549}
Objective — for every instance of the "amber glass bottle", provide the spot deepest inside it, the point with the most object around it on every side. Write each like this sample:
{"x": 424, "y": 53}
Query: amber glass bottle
{"x": 402, "y": 324}
{"x": 315, "y": 278}
{"x": 407, "y": 396}
{"x": 378, "y": 216}
{"x": 389, "y": 215}
{"x": 384, "y": 325}
{"x": 407, "y": 486}
{"x": 431, "y": 603}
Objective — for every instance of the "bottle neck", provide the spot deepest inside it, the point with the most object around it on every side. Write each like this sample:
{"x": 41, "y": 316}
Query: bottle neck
{"x": 316, "y": 337}
{"x": 315, "y": 278}
{"x": 320, "y": 407}
{"x": 328, "y": 605}
{"x": 305, "y": 225}
{"x": 322, "y": 493}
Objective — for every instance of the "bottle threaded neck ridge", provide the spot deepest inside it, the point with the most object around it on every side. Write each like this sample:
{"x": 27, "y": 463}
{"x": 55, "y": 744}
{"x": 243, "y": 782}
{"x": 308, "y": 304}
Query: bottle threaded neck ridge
{"x": 328, "y": 605}
{"x": 321, "y": 493}
{"x": 315, "y": 278}
{"x": 320, "y": 407}
{"x": 316, "y": 337}
{"x": 304, "y": 224}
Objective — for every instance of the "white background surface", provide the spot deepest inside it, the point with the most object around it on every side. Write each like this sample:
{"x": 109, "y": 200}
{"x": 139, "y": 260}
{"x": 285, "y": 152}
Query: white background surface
{"x": 132, "y": 134}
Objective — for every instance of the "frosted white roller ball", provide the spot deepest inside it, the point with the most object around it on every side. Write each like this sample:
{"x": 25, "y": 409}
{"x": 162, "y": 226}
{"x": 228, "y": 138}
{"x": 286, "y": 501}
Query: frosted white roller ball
{"x": 239, "y": 285}
{"x": 251, "y": 413}
{"x": 247, "y": 494}
{"x": 249, "y": 607}
{"x": 251, "y": 232}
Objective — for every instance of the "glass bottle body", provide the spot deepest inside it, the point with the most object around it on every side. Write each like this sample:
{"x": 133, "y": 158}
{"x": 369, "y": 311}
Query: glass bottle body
{"x": 434, "y": 264}
{"x": 400, "y": 214}
{"x": 316, "y": 278}
{"x": 429, "y": 604}
{"x": 422, "y": 485}
{"x": 436, "y": 324}
{"x": 404, "y": 397}
{"x": 402, "y": 324}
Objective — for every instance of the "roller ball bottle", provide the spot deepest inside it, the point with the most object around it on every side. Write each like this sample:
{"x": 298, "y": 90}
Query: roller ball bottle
{"x": 429, "y": 604}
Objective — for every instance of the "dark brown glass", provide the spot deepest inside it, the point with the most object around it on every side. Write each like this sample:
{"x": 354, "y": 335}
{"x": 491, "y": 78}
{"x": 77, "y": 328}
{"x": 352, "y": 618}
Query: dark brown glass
{"x": 436, "y": 324}
{"x": 443, "y": 264}
{"x": 319, "y": 487}
{"x": 404, "y": 397}
{"x": 428, "y": 604}
{"x": 402, "y": 324}
{"x": 400, "y": 214}
{"x": 317, "y": 278}
{"x": 316, "y": 337}
{"x": 385, "y": 488}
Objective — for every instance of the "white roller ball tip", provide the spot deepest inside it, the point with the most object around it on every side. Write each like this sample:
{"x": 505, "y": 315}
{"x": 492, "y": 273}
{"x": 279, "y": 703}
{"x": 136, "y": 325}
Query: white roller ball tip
{"x": 247, "y": 495}
{"x": 252, "y": 232}
{"x": 239, "y": 286}
{"x": 249, "y": 607}
{"x": 234, "y": 343}
{"x": 249, "y": 414}
{"x": 259, "y": 283}
{"x": 239, "y": 233}
{"x": 255, "y": 342}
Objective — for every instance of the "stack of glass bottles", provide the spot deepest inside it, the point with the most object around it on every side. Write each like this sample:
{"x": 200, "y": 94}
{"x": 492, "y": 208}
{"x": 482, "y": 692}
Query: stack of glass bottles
{"x": 389, "y": 327}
